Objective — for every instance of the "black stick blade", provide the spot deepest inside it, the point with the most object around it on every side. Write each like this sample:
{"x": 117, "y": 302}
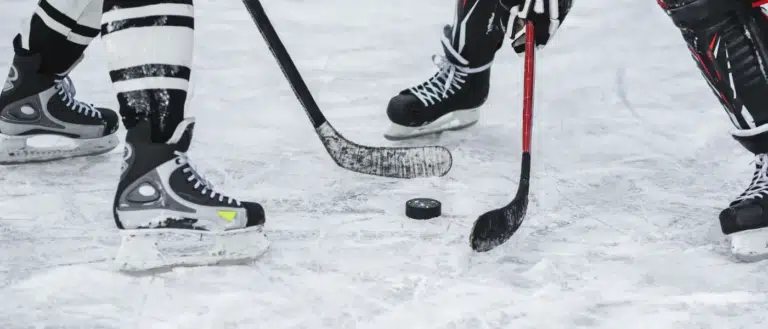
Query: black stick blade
{"x": 392, "y": 162}
{"x": 495, "y": 227}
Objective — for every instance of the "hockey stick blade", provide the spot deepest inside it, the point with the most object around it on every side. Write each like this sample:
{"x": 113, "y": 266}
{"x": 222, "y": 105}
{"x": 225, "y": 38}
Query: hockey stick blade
{"x": 495, "y": 227}
{"x": 393, "y": 162}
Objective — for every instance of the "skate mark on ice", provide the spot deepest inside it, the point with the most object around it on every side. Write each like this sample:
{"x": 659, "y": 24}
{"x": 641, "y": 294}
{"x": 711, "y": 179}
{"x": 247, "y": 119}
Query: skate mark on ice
{"x": 444, "y": 306}
{"x": 172, "y": 268}
{"x": 148, "y": 288}
{"x": 621, "y": 93}
{"x": 358, "y": 235}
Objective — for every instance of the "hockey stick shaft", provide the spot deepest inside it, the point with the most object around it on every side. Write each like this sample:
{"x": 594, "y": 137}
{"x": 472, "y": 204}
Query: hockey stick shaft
{"x": 285, "y": 62}
{"x": 529, "y": 74}
{"x": 495, "y": 227}
{"x": 528, "y": 86}
{"x": 393, "y": 162}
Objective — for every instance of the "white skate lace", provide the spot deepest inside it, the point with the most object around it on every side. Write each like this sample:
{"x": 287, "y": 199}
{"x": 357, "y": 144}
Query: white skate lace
{"x": 200, "y": 181}
{"x": 448, "y": 79}
{"x": 759, "y": 186}
{"x": 66, "y": 89}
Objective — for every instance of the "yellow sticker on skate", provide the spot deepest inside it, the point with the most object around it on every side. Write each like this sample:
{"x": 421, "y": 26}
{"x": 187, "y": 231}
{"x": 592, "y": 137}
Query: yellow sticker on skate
{"x": 227, "y": 215}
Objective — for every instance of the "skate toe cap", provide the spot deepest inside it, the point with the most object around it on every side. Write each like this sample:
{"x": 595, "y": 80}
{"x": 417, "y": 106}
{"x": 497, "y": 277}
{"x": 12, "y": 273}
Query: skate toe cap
{"x": 255, "y": 213}
{"x": 403, "y": 109}
{"x": 111, "y": 119}
{"x": 745, "y": 215}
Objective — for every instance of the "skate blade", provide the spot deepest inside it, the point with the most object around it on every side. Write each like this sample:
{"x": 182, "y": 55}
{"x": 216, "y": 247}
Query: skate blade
{"x": 452, "y": 121}
{"x": 157, "y": 249}
{"x": 751, "y": 245}
{"x": 18, "y": 149}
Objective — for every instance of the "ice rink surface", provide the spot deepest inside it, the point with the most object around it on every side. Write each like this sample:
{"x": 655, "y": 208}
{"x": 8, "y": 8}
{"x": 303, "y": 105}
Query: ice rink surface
{"x": 632, "y": 163}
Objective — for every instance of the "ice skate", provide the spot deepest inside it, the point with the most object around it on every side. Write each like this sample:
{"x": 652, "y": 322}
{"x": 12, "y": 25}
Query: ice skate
{"x": 171, "y": 216}
{"x": 34, "y": 104}
{"x": 745, "y": 221}
{"x": 447, "y": 101}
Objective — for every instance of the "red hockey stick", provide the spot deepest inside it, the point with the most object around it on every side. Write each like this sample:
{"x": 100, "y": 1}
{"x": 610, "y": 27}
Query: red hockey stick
{"x": 496, "y": 226}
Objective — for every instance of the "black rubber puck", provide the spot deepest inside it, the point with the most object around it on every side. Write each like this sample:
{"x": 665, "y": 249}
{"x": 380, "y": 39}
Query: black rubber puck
{"x": 423, "y": 208}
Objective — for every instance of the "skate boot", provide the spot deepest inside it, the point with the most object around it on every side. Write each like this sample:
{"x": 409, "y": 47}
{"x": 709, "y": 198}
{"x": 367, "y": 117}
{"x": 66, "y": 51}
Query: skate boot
{"x": 447, "y": 101}
{"x": 171, "y": 216}
{"x": 34, "y": 103}
{"x": 745, "y": 221}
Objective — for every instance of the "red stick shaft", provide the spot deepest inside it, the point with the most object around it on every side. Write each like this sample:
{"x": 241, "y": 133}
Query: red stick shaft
{"x": 530, "y": 50}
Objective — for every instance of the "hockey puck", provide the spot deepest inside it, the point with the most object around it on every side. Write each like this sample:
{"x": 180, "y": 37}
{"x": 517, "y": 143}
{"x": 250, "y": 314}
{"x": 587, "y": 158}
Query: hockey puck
{"x": 422, "y": 208}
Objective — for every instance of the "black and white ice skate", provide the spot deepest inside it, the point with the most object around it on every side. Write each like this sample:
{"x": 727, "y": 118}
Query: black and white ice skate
{"x": 170, "y": 215}
{"x": 34, "y": 103}
{"x": 745, "y": 221}
{"x": 447, "y": 101}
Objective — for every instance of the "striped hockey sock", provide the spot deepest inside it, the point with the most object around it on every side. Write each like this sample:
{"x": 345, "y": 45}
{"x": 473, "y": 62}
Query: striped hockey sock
{"x": 149, "y": 45}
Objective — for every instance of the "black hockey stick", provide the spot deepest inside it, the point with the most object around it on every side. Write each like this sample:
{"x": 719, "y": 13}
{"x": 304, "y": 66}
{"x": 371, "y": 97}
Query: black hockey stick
{"x": 395, "y": 162}
{"x": 496, "y": 226}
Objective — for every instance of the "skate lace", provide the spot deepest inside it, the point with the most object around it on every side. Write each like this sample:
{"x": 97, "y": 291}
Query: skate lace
{"x": 66, "y": 89}
{"x": 758, "y": 188}
{"x": 200, "y": 182}
{"x": 448, "y": 79}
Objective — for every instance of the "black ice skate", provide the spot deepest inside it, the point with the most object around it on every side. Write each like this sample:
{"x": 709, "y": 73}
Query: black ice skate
{"x": 745, "y": 221}
{"x": 33, "y": 103}
{"x": 447, "y": 101}
{"x": 170, "y": 215}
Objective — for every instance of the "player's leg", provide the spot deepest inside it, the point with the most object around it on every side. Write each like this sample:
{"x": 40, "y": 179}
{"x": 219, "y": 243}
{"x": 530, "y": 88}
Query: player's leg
{"x": 449, "y": 99}
{"x": 729, "y": 41}
{"x": 160, "y": 197}
{"x": 39, "y": 98}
